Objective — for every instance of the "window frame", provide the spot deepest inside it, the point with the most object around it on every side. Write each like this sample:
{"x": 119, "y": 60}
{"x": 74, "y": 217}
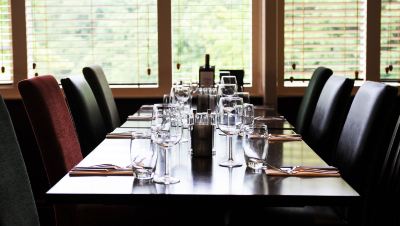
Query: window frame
{"x": 372, "y": 51}
{"x": 164, "y": 49}
{"x": 268, "y": 50}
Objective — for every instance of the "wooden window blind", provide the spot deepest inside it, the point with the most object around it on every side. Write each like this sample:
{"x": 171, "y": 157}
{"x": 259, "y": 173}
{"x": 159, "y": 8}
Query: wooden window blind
{"x": 6, "y": 51}
{"x": 66, "y": 35}
{"x": 328, "y": 33}
{"x": 390, "y": 40}
{"x": 221, "y": 28}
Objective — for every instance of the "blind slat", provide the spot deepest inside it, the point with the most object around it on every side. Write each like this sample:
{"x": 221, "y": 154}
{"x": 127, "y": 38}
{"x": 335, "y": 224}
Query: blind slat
{"x": 324, "y": 33}
{"x": 390, "y": 39}
{"x": 6, "y": 51}
{"x": 66, "y": 35}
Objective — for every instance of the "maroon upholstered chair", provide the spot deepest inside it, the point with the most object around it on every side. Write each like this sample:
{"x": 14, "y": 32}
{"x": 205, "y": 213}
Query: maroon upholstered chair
{"x": 52, "y": 124}
{"x": 59, "y": 146}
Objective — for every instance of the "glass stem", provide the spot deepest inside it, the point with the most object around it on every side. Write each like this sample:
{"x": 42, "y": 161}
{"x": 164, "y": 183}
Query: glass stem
{"x": 230, "y": 156}
{"x": 166, "y": 172}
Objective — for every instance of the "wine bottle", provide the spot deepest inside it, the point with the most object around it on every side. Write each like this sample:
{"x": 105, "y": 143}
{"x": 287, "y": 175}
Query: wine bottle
{"x": 206, "y": 74}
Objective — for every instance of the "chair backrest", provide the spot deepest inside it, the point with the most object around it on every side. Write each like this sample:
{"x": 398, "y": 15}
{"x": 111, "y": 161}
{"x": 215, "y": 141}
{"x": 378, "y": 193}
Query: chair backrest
{"x": 17, "y": 206}
{"x": 329, "y": 115}
{"x": 379, "y": 208}
{"x": 365, "y": 136}
{"x": 310, "y": 98}
{"x": 85, "y": 112}
{"x": 52, "y": 124}
{"x": 94, "y": 75}
{"x": 390, "y": 167}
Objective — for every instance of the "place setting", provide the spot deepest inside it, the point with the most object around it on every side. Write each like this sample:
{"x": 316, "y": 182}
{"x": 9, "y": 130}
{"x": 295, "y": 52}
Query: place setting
{"x": 256, "y": 145}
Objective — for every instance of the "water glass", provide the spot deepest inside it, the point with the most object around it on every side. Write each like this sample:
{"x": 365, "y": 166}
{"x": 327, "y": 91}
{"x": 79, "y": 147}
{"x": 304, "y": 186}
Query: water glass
{"x": 143, "y": 155}
{"x": 248, "y": 116}
{"x": 255, "y": 145}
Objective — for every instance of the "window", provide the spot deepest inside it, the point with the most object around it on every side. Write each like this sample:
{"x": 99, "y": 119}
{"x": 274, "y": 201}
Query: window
{"x": 6, "y": 51}
{"x": 324, "y": 33}
{"x": 221, "y": 28}
{"x": 121, "y": 36}
{"x": 390, "y": 40}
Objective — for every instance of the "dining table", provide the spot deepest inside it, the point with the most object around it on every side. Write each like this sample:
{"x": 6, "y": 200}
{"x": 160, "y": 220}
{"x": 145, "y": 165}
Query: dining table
{"x": 202, "y": 181}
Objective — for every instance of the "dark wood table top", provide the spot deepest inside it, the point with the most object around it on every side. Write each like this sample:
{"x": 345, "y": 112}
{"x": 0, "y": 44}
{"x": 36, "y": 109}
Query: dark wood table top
{"x": 203, "y": 181}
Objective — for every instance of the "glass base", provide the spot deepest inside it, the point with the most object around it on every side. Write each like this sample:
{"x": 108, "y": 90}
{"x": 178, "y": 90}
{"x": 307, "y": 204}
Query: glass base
{"x": 143, "y": 174}
{"x": 165, "y": 180}
{"x": 230, "y": 164}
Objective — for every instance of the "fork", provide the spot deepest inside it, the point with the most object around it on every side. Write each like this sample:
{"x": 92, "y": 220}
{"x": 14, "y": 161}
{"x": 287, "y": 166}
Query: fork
{"x": 288, "y": 171}
{"x": 100, "y": 167}
{"x": 296, "y": 169}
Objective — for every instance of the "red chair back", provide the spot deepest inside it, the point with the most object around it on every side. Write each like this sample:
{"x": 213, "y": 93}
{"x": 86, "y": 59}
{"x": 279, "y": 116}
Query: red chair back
{"x": 52, "y": 124}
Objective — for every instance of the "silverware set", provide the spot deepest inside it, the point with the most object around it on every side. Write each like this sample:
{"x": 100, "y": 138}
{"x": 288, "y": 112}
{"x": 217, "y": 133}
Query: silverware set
{"x": 297, "y": 169}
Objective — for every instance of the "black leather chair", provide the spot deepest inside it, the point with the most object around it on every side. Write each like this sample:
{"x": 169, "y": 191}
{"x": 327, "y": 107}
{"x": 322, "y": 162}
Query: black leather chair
{"x": 17, "y": 205}
{"x": 386, "y": 194}
{"x": 329, "y": 115}
{"x": 86, "y": 113}
{"x": 94, "y": 75}
{"x": 365, "y": 136}
{"x": 310, "y": 98}
{"x": 360, "y": 153}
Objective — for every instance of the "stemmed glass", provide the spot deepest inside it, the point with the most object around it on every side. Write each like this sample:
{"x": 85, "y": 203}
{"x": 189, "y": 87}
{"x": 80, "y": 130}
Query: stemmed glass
{"x": 182, "y": 93}
{"x": 228, "y": 79}
{"x": 166, "y": 131}
{"x": 226, "y": 90}
{"x": 167, "y": 99}
{"x": 229, "y": 120}
{"x": 244, "y": 95}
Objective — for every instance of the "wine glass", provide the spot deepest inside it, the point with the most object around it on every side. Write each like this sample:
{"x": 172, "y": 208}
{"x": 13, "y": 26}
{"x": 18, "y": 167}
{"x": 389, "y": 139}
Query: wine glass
{"x": 228, "y": 79}
{"x": 166, "y": 131}
{"x": 181, "y": 93}
{"x": 244, "y": 95}
{"x": 229, "y": 120}
{"x": 226, "y": 90}
{"x": 167, "y": 99}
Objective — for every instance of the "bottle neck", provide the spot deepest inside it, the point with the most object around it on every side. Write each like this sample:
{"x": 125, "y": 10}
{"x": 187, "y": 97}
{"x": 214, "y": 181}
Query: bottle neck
{"x": 207, "y": 66}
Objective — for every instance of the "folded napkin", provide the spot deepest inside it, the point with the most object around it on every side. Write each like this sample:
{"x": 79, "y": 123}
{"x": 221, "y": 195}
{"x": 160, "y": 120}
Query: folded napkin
{"x": 122, "y": 135}
{"x": 129, "y": 135}
{"x": 310, "y": 172}
{"x": 284, "y": 137}
{"x": 139, "y": 118}
{"x": 278, "y": 118}
{"x": 98, "y": 170}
